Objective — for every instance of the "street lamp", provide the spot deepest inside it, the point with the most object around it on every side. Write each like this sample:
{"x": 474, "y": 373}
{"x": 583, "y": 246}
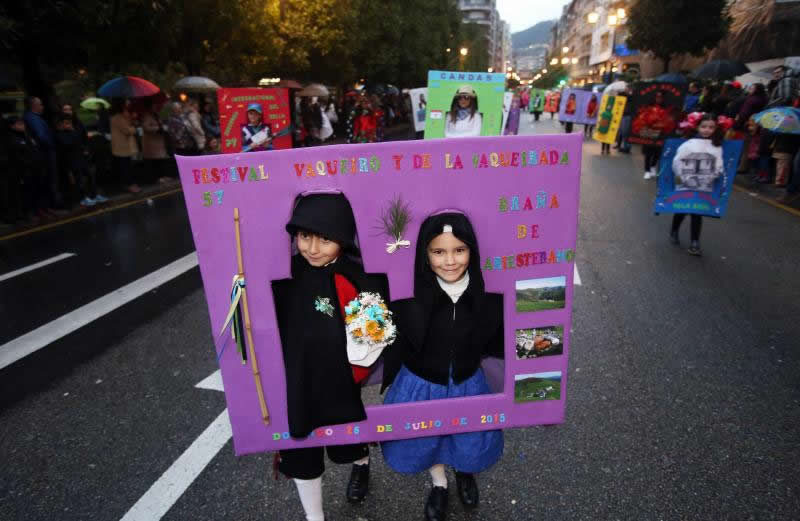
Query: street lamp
{"x": 564, "y": 60}
{"x": 464, "y": 51}
{"x": 621, "y": 13}
{"x": 565, "y": 50}
{"x": 554, "y": 61}
{"x": 448, "y": 49}
{"x": 544, "y": 71}
{"x": 509, "y": 69}
{"x": 612, "y": 20}
{"x": 574, "y": 61}
{"x": 491, "y": 70}
{"x": 593, "y": 17}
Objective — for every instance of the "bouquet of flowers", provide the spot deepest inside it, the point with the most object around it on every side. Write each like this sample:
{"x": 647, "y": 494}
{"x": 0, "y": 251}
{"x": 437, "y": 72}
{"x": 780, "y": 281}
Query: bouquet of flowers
{"x": 369, "y": 328}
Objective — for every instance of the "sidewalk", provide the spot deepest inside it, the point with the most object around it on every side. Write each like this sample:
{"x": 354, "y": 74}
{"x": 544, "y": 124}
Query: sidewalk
{"x": 768, "y": 193}
{"x": 115, "y": 200}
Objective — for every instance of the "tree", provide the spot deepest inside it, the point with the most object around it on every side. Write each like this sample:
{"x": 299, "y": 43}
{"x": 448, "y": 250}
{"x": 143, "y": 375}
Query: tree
{"x": 667, "y": 29}
{"x": 555, "y": 73}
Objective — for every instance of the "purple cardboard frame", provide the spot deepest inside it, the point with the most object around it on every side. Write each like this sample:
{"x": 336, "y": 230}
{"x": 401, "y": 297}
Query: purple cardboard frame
{"x": 502, "y": 183}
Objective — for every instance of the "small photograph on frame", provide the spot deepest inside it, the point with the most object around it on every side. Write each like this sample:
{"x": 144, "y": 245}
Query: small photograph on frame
{"x": 540, "y": 341}
{"x": 537, "y": 387}
{"x": 541, "y": 294}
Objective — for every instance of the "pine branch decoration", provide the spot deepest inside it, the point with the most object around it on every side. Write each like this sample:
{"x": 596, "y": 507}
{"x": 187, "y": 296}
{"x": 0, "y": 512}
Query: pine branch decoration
{"x": 394, "y": 220}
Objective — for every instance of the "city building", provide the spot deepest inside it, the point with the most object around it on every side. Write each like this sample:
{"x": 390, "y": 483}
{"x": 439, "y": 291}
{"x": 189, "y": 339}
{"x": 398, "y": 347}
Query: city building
{"x": 589, "y": 39}
{"x": 497, "y": 32}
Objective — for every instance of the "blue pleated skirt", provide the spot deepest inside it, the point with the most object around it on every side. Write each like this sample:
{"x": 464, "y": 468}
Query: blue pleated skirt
{"x": 465, "y": 452}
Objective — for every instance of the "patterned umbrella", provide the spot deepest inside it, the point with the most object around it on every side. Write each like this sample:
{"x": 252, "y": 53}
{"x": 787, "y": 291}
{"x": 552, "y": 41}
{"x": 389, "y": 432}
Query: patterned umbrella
{"x": 127, "y": 87}
{"x": 783, "y": 120}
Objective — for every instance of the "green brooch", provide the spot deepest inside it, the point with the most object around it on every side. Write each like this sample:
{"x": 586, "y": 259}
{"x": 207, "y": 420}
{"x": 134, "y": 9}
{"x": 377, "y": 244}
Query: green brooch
{"x": 323, "y": 305}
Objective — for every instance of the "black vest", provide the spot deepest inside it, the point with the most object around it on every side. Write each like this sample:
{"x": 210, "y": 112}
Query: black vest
{"x": 432, "y": 338}
{"x": 319, "y": 381}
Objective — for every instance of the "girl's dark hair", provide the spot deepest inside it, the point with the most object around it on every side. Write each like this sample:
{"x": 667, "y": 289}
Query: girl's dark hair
{"x": 425, "y": 283}
{"x": 454, "y": 108}
{"x": 718, "y": 136}
{"x": 758, "y": 88}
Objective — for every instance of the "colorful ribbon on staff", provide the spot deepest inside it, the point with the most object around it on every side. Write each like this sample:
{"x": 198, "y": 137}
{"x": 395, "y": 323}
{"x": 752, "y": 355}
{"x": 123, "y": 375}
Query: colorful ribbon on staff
{"x": 235, "y": 319}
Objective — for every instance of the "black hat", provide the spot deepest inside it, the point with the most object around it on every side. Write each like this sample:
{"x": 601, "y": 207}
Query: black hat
{"x": 326, "y": 214}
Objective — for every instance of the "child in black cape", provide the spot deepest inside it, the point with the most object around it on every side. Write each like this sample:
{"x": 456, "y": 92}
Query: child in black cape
{"x": 443, "y": 332}
{"x": 322, "y": 387}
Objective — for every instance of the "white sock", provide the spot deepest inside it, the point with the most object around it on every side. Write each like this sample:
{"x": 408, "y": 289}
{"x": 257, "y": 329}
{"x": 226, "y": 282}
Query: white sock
{"x": 438, "y": 475}
{"x": 310, "y": 491}
{"x": 362, "y": 461}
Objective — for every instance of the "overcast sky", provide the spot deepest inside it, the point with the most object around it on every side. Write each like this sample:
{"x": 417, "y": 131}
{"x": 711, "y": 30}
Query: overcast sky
{"x": 522, "y": 14}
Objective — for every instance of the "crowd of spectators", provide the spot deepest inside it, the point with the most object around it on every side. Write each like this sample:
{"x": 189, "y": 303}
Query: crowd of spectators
{"x": 770, "y": 158}
{"x": 52, "y": 162}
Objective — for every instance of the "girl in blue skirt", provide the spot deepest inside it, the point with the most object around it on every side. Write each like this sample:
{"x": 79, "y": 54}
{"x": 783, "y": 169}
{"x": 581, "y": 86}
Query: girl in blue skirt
{"x": 444, "y": 331}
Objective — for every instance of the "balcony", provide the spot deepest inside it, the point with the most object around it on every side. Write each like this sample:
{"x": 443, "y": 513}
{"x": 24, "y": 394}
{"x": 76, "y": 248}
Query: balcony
{"x": 472, "y": 5}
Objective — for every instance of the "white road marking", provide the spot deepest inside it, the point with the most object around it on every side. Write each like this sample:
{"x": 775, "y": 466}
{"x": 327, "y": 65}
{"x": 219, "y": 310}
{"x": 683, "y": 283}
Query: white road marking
{"x": 577, "y": 278}
{"x": 26, "y": 269}
{"x": 40, "y": 337}
{"x": 160, "y": 497}
{"x": 212, "y": 382}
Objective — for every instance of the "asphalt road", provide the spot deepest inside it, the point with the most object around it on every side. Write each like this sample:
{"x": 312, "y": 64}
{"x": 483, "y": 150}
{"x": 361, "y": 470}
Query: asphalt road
{"x": 683, "y": 400}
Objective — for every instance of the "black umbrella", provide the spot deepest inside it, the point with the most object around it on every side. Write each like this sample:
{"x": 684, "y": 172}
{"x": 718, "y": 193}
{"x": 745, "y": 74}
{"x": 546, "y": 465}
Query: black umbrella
{"x": 678, "y": 79}
{"x": 721, "y": 70}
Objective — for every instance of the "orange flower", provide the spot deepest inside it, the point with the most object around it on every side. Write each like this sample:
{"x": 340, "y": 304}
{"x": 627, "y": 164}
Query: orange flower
{"x": 372, "y": 328}
{"x": 349, "y": 318}
{"x": 357, "y": 333}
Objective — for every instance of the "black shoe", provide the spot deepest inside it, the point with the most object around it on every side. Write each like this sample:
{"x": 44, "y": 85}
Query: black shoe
{"x": 673, "y": 237}
{"x": 358, "y": 486}
{"x": 694, "y": 249}
{"x": 467, "y": 489}
{"x": 436, "y": 507}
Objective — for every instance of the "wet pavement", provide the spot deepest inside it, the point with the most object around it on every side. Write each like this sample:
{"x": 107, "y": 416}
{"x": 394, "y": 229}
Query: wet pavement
{"x": 683, "y": 398}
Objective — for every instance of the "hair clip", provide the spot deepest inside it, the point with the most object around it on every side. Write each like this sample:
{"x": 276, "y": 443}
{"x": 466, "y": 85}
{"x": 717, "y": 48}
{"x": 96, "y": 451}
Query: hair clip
{"x": 321, "y": 191}
{"x": 447, "y": 229}
{"x": 448, "y": 210}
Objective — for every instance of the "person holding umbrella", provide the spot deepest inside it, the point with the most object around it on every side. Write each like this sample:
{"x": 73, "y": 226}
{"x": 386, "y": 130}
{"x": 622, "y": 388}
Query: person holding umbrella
{"x": 785, "y": 87}
{"x": 123, "y": 143}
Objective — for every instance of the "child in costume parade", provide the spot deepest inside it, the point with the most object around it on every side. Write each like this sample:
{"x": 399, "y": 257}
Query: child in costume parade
{"x": 444, "y": 331}
{"x": 322, "y": 386}
{"x": 697, "y": 165}
{"x": 256, "y": 135}
{"x": 463, "y": 118}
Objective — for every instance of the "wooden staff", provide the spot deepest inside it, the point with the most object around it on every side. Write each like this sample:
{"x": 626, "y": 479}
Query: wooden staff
{"x": 248, "y": 329}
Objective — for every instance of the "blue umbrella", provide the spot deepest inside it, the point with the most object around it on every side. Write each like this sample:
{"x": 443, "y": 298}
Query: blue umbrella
{"x": 679, "y": 79}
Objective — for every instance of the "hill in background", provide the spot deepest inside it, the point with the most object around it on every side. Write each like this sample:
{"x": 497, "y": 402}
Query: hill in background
{"x": 539, "y": 33}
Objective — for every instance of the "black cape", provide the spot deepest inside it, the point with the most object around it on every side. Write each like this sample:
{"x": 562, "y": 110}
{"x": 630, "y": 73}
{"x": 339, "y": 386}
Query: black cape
{"x": 430, "y": 337}
{"x": 319, "y": 381}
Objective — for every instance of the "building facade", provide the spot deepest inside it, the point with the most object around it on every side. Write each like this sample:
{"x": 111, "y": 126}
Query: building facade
{"x": 497, "y": 32}
{"x": 589, "y": 39}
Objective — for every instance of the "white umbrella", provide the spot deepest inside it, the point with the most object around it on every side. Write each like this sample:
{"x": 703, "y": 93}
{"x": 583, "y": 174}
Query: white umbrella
{"x": 196, "y": 84}
{"x": 615, "y": 88}
{"x": 315, "y": 89}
